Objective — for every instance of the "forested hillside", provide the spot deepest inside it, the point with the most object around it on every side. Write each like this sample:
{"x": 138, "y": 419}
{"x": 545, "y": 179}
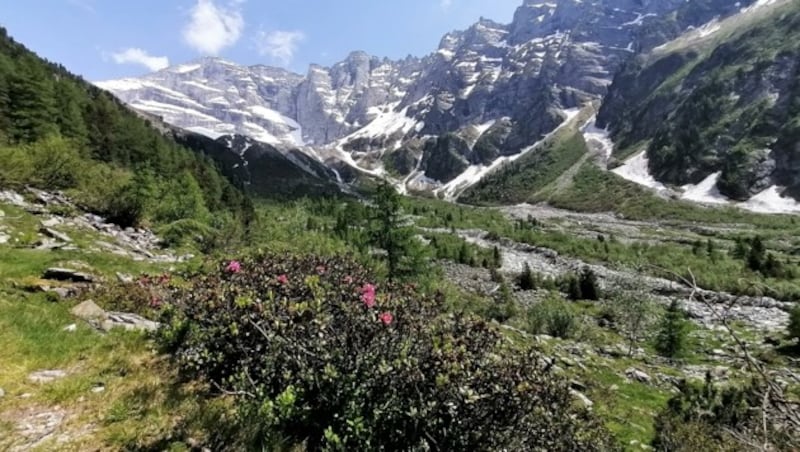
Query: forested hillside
{"x": 58, "y": 132}
{"x": 723, "y": 104}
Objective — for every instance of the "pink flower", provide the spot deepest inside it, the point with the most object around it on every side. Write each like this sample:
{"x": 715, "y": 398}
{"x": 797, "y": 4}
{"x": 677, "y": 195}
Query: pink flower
{"x": 369, "y": 299}
{"x": 368, "y": 295}
{"x": 233, "y": 267}
{"x": 386, "y": 318}
{"x": 321, "y": 269}
{"x": 155, "y": 302}
{"x": 368, "y": 288}
{"x": 348, "y": 279}
{"x": 283, "y": 280}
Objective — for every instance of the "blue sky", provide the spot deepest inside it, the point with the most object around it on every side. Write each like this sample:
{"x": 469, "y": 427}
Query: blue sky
{"x": 104, "y": 39}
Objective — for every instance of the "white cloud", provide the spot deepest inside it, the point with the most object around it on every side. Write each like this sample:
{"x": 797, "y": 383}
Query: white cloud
{"x": 141, "y": 57}
{"x": 279, "y": 45}
{"x": 213, "y": 27}
{"x": 445, "y": 4}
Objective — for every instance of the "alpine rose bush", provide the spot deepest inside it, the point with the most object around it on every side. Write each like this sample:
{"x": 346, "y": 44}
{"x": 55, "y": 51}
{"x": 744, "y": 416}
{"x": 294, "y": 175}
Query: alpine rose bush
{"x": 330, "y": 360}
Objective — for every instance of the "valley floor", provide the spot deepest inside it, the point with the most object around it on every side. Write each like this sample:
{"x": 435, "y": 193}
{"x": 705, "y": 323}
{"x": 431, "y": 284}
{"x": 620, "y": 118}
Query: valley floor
{"x": 65, "y": 385}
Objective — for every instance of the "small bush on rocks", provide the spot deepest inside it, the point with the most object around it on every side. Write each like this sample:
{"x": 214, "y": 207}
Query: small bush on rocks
{"x": 321, "y": 356}
{"x": 554, "y": 316}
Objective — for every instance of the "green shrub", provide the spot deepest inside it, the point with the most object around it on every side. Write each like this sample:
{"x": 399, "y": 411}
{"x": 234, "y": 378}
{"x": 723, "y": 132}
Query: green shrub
{"x": 319, "y": 356}
{"x": 504, "y": 306}
{"x": 181, "y": 232}
{"x": 554, "y": 317}
{"x": 731, "y": 418}
{"x": 146, "y": 296}
{"x": 570, "y": 285}
{"x": 52, "y": 164}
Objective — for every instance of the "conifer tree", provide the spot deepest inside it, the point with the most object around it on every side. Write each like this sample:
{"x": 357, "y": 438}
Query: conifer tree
{"x": 389, "y": 231}
{"x": 671, "y": 338}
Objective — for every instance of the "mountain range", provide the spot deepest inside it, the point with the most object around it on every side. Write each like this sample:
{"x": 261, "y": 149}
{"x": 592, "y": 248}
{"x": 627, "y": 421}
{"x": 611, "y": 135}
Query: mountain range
{"x": 493, "y": 93}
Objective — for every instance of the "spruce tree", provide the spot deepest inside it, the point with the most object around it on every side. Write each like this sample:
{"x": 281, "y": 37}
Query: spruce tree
{"x": 671, "y": 338}
{"x": 389, "y": 231}
{"x": 497, "y": 258}
{"x": 756, "y": 257}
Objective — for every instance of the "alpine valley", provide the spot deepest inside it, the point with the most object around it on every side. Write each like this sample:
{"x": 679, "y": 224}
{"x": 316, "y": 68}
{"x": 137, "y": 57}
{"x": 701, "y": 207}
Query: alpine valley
{"x": 577, "y": 231}
{"x": 696, "y": 100}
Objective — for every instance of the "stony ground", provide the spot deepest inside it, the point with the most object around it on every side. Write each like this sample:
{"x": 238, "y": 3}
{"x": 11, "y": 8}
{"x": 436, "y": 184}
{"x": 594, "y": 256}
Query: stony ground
{"x": 628, "y": 384}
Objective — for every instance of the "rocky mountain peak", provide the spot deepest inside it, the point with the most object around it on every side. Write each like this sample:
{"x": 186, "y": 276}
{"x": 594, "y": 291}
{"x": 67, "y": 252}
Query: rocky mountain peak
{"x": 497, "y": 88}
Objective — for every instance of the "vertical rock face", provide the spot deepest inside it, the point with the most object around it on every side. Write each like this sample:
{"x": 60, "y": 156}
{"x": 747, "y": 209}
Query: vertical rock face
{"x": 495, "y": 88}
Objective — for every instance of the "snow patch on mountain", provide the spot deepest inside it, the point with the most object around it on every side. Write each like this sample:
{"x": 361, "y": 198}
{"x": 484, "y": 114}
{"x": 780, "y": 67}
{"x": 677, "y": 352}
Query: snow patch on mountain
{"x": 705, "y": 192}
{"x": 594, "y": 134}
{"x": 771, "y": 201}
{"x": 637, "y": 170}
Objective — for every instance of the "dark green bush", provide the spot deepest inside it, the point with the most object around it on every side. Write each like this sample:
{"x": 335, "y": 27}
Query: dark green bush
{"x": 526, "y": 280}
{"x": 320, "y": 357}
{"x": 588, "y": 284}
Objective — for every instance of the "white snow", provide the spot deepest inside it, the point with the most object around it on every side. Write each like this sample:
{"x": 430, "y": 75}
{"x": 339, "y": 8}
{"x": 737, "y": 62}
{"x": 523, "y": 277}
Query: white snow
{"x": 758, "y": 4}
{"x": 201, "y": 86}
{"x": 205, "y": 131}
{"x": 183, "y": 69}
{"x": 447, "y": 54}
{"x": 125, "y": 84}
{"x": 176, "y": 112}
{"x": 259, "y": 133}
{"x": 273, "y": 116}
{"x": 386, "y": 123}
{"x": 639, "y": 19}
{"x": 768, "y": 201}
{"x": 482, "y": 128}
{"x": 709, "y": 29}
{"x": 591, "y": 133}
{"x": 771, "y": 201}
{"x": 705, "y": 192}
{"x": 636, "y": 170}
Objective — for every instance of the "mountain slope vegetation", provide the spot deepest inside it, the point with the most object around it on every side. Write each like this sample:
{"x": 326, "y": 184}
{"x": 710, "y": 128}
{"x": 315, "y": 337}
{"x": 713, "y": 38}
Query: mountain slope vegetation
{"x": 58, "y": 132}
{"x": 726, "y": 100}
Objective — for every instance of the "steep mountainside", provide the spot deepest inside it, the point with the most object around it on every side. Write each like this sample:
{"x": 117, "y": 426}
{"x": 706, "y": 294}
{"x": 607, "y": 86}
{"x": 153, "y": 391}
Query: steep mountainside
{"x": 719, "y": 109}
{"x": 488, "y": 92}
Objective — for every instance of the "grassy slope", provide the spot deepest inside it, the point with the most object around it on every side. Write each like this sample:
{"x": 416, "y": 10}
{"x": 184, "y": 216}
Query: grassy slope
{"x": 517, "y": 182}
{"x": 141, "y": 403}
